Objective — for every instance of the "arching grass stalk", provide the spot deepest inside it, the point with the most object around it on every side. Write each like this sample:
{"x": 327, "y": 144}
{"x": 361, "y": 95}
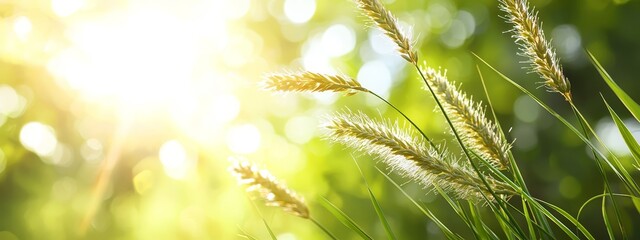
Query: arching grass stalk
{"x": 274, "y": 193}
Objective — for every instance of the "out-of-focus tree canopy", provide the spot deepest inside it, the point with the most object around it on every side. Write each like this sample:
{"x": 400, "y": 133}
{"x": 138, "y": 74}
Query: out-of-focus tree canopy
{"x": 117, "y": 117}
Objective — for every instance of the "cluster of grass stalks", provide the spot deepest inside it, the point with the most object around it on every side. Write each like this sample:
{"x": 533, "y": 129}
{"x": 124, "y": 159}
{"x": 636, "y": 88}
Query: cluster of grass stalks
{"x": 486, "y": 171}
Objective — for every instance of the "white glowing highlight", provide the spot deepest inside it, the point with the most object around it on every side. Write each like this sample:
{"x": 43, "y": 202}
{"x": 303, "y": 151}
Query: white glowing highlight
{"x": 375, "y": 76}
{"x": 174, "y": 159}
{"x": 22, "y": 27}
{"x": 38, "y": 138}
{"x": 137, "y": 61}
{"x": 243, "y": 139}
{"x": 64, "y": 8}
{"x": 299, "y": 11}
{"x": 338, "y": 40}
{"x": 236, "y": 9}
{"x": 11, "y": 103}
{"x": 315, "y": 57}
{"x": 301, "y": 129}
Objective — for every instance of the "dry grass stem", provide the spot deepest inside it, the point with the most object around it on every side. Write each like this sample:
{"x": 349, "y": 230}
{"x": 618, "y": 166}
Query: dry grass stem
{"x": 411, "y": 157}
{"x": 389, "y": 24}
{"x": 476, "y": 131}
{"x": 312, "y": 82}
{"x": 274, "y": 193}
{"x": 527, "y": 31}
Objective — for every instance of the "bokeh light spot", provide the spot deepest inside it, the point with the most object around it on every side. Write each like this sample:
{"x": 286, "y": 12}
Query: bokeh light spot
{"x": 226, "y": 108}
{"x": 375, "y": 76}
{"x": 299, "y": 11}
{"x": 64, "y": 189}
{"x": 338, "y": 40}
{"x": 22, "y": 27}
{"x": 526, "y": 109}
{"x": 92, "y": 150}
{"x": 64, "y": 8}
{"x": 568, "y": 41}
{"x": 174, "y": 159}
{"x": 38, "y": 138}
{"x": 611, "y": 136}
{"x": 570, "y": 187}
{"x": 300, "y": 129}
{"x": 12, "y": 104}
{"x": 380, "y": 43}
{"x": 243, "y": 139}
{"x": 315, "y": 57}
{"x": 236, "y": 9}
{"x": 143, "y": 181}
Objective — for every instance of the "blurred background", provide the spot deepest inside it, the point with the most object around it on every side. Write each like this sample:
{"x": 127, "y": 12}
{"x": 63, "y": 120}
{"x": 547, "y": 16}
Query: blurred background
{"x": 117, "y": 117}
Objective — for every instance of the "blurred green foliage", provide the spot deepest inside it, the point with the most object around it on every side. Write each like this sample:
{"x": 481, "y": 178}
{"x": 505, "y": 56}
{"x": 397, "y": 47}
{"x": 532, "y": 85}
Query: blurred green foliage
{"x": 49, "y": 197}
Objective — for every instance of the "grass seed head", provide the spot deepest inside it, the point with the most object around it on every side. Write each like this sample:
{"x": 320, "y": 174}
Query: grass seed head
{"x": 274, "y": 193}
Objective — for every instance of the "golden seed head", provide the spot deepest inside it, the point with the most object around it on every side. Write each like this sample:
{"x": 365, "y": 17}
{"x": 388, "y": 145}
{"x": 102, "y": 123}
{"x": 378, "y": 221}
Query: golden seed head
{"x": 528, "y": 33}
{"x": 389, "y": 25}
{"x": 312, "y": 82}
{"x": 274, "y": 193}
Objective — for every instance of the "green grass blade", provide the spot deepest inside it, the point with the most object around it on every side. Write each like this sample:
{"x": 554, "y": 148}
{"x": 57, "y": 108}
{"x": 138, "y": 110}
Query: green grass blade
{"x": 346, "y": 220}
{"x": 255, "y": 207}
{"x": 445, "y": 230}
{"x": 633, "y": 198}
{"x": 477, "y": 221}
{"x": 567, "y": 216}
{"x": 633, "y": 107}
{"x": 376, "y": 206}
{"x": 631, "y": 142}
{"x": 605, "y": 218}
{"x": 245, "y": 235}
{"x": 273, "y": 236}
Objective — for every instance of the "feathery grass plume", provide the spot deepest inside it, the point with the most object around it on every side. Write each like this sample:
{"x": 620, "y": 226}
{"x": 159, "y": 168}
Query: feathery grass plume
{"x": 477, "y": 132}
{"x": 527, "y": 31}
{"x": 274, "y": 193}
{"x": 312, "y": 82}
{"x": 389, "y": 24}
{"x": 398, "y": 149}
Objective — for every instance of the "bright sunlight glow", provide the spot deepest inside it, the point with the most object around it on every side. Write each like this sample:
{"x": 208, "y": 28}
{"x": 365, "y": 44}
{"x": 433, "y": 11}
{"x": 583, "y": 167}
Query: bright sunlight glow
{"x": 137, "y": 62}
